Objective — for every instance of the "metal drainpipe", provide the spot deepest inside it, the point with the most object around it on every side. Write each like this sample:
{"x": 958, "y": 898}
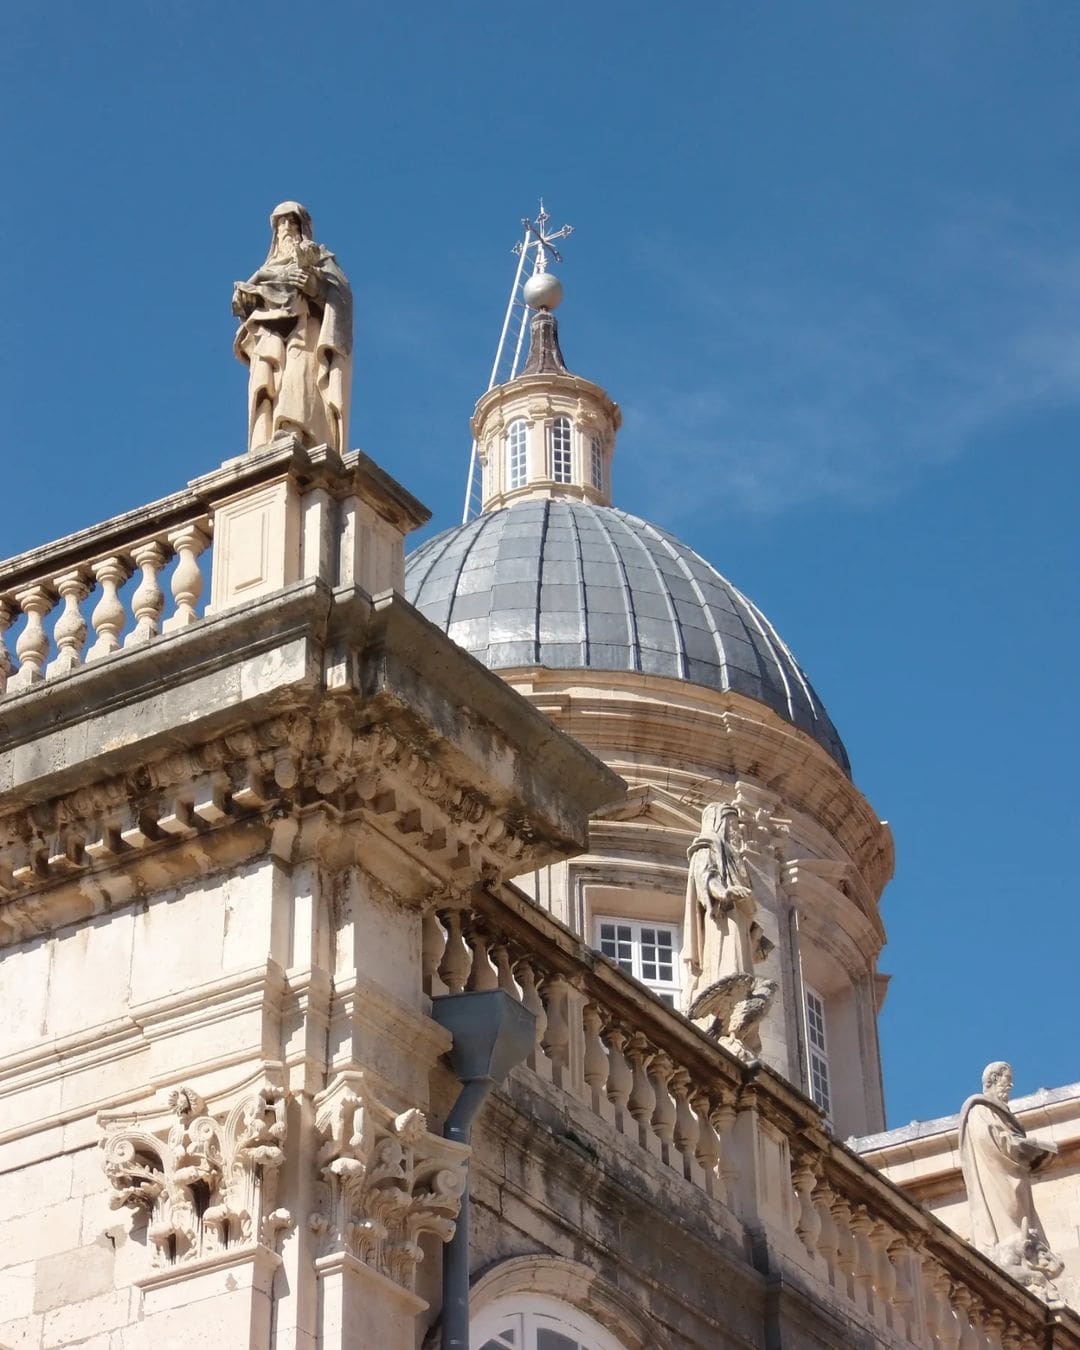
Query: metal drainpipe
{"x": 492, "y": 1032}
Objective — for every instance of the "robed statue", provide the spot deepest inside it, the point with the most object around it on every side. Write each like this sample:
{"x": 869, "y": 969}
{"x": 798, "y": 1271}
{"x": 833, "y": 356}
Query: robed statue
{"x": 997, "y": 1159}
{"x": 295, "y": 336}
{"x": 722, "y": 939}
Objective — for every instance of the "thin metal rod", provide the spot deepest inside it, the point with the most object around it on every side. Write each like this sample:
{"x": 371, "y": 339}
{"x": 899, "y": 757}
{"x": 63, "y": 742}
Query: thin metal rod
{"x": 509, "y": 308}
{"x": 520, "y": 340}
{"x": 469, "y": 487}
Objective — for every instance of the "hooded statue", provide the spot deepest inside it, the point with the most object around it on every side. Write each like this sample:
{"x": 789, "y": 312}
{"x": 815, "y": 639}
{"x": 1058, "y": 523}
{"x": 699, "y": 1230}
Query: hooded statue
{"x": 295, "y": 336}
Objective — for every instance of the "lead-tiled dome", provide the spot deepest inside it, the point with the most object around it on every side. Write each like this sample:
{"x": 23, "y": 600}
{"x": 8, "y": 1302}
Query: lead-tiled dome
{"x": 573, "y": 585}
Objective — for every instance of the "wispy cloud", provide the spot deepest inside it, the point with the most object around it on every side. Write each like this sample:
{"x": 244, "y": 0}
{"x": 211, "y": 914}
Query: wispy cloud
{"x": 848, "y": 386}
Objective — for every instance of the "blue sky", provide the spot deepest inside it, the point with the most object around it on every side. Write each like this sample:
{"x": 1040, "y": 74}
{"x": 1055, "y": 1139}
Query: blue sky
{"x": 827, "y": 257}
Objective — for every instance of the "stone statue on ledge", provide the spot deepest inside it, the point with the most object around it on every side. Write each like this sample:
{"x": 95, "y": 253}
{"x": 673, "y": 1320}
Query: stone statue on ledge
{"x": 997, "y": 1159}
{"x": 295, "y": 336}
{"x": 722, "y": 940}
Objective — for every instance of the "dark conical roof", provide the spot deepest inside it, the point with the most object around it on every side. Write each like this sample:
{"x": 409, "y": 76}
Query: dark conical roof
{"x": 545, "y": 355}
{"x": 571, "y": 585}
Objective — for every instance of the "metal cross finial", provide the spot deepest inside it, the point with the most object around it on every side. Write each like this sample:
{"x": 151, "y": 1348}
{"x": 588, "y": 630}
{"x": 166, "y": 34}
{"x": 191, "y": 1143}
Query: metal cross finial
{"x": 537, "y": 237}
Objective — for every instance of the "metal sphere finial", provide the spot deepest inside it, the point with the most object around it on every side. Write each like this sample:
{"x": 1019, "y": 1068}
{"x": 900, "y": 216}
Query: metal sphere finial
{"x": 543, "y": 290}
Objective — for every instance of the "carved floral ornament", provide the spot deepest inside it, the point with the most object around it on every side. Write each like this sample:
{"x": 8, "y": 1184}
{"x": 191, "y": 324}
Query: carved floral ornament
{"x": 384, "y": 1180}
{"x": 207, "y": 1183}
{"x": 298, "y": 760}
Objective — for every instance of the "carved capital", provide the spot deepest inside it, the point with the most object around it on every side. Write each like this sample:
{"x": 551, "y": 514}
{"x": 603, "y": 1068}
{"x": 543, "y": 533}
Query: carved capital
{"x": 385, "y": 1179}
{"x": 206, "y": 1181}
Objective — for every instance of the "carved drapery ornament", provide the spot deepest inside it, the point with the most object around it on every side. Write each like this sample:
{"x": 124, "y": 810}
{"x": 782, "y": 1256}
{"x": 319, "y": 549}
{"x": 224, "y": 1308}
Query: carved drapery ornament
{"x": 207, "y": 1183}
{"x": 384, "y": 1178}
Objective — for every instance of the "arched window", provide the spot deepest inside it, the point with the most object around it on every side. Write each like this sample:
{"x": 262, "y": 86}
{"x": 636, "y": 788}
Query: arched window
{"x": 517, "y": 454}
{"x": 559, "y": 441}
{"x": 597, "y": 464}
{"x": 535, "y": 1322}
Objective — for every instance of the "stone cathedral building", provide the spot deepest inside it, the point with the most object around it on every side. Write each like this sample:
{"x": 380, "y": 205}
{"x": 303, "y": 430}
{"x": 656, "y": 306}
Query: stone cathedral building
{"x": 473, "y": 950}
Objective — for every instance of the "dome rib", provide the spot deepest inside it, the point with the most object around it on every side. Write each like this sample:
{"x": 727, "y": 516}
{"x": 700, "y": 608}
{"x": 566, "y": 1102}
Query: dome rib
{"x": 680, "y": 562}
{"x": 573, "y": 585}
{"x": 627, "y": 594}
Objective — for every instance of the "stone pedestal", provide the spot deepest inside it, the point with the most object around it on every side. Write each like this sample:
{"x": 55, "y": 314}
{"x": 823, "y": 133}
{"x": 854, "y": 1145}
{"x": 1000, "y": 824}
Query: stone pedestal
{"x": 360, "y": 1308}
{"x": 220, "y": 1300}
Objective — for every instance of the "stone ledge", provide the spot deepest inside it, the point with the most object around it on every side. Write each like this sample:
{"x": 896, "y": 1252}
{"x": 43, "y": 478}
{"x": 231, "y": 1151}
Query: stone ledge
{"x": 105, "y": 690}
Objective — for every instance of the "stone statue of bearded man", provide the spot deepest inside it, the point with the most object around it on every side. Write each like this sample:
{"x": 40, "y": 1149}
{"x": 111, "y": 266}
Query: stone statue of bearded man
{"x": 295, "y": 336}
{"x": 998, "y": 1158}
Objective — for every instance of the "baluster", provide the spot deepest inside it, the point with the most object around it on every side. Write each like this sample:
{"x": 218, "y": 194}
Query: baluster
{"x": 69, "y": 632}
{"x": 148, "y": 599}
{"x": 620, "y": 1081}
{"x": 898, "y": 1254}
{"x": 861, "y": 1227}
{"x": 948, "y": 1333}
{"x": 707, "y": 1146}
{"x": 723, "y": 1122}
{"x": 994, "y": 1325}
{"x": 530, "y": 997}
{"x": 454, "y": 967}
{"x": 686, "y": 1127}
{"x": 482, "y": 973}
{"x": 432, "y": 945}
{"x": 7, "y": 665}
{"x": 845, "y": 1243}
{"x": 109, "y": 613}
{"x": 1013, "y": 1338}
{"x": 556, "y": 1041}
{"x": 884, "y": 1274}
{"x": 595, "y": 1066}
{"x": 964, "y": 1301}
{"x": 808, "y": 1224}
{"x": 500, "y": 954}
{"x": 931, "y": 1302}
{"x": 188, "y": 541}
{"x": 662, "y": 1120}
{"x": 32, "y": 646}
{"x": 641, "y": 1094}
{"x": 828, "y": 1243}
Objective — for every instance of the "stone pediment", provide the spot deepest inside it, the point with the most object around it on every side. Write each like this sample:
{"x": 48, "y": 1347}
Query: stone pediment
{"x": 651, "y": 805}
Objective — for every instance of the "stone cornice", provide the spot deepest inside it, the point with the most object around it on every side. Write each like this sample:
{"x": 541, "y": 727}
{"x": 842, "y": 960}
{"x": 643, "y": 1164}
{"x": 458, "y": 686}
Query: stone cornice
{"x": 215, "y": 745}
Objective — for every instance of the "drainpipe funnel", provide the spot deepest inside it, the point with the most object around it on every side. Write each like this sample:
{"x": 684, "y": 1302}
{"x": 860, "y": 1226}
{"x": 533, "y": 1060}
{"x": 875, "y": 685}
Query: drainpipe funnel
{"x": 492, "y": 1032}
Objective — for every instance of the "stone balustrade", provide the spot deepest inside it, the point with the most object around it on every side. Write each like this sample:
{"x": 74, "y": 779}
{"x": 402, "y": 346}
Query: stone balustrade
{"x": 739, "y": 1133}
{"x": 69, "y": 605}
{"x": 278, "y": 515}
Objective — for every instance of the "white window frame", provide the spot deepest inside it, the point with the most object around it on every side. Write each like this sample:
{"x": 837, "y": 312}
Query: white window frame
{"x": 596, "y": 451}
{"x": 818, "y": 1075}
{"x": 561, "y": 450}
{"x": 527, "y": 1314}
{"x": 669, "y": 990}
{"x": 517, "y": 454}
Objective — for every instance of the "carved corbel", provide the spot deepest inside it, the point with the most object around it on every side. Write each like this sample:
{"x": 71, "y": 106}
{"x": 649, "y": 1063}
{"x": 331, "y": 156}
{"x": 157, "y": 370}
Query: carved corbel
{"x": 385, "y": 1179}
